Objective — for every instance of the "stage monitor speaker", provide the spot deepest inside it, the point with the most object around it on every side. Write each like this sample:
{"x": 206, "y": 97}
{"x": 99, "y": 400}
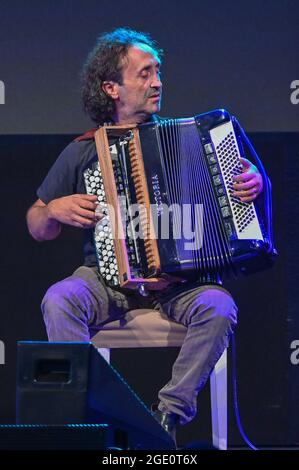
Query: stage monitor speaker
{"x": 75, "y": 437}
{"x": 71, "y": 383}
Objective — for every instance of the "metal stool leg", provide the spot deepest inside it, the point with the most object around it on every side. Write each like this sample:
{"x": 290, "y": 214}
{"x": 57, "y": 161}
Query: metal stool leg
{"x": 105, "y": 353}
{"x": 218, "y": 387}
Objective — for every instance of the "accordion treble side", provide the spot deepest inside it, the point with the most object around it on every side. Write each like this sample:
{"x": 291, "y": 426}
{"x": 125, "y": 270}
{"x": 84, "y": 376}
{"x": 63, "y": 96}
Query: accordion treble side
{"x": 166, "y": 189}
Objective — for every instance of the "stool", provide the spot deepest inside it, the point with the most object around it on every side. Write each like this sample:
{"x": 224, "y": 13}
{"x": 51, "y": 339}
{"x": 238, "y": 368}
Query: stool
{"x": 146, "y": 328}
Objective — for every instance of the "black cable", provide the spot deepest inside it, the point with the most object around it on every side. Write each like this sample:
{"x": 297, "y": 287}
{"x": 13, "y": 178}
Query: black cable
{"x": 235, "y": 395}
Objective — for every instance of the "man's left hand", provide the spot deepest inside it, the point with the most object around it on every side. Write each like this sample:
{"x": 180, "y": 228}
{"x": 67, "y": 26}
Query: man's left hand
{"x": 249, "y": 184}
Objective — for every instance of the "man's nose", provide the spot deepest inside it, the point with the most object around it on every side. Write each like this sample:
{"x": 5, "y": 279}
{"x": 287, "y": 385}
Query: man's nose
{"x": 156, "y": 83}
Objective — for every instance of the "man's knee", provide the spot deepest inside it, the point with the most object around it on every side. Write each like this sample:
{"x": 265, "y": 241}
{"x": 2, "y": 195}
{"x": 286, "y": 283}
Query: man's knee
{"x": 56, "y": 296}
{"x": 65, "y": 291}
{"x": 72, "y": 289}
{"x": 79, "y": 296}
{"x": 217, "y": 303}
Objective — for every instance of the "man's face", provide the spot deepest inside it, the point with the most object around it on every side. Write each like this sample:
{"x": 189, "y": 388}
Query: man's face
{"x": 139, "y": 95}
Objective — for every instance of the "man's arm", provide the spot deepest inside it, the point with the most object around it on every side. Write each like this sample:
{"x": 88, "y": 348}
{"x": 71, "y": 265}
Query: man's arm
{"x": 44, "y": 220}
{"x": 40, "y": 224}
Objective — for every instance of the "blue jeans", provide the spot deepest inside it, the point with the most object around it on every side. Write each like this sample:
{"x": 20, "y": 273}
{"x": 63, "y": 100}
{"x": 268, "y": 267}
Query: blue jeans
{"x": 76, "y": 307}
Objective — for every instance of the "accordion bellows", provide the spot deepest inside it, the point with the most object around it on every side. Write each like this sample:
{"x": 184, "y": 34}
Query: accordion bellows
{"x": 166, "y": 191}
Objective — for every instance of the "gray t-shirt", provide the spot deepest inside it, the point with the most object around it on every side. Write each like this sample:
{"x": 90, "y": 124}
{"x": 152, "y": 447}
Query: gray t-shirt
{"x": 66, "y": 177}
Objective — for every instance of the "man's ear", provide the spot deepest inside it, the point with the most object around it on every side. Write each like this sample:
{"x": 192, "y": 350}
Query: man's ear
{"x": 111, "y": 89}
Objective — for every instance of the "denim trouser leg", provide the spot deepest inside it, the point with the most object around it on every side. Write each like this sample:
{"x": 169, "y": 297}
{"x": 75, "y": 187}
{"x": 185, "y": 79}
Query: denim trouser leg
{"x": 210, "y": 313}
{"x": 79, "y": 304}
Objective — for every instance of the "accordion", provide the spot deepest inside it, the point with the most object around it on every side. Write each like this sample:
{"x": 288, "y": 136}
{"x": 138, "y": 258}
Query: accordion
{"x": 166, "y": 191}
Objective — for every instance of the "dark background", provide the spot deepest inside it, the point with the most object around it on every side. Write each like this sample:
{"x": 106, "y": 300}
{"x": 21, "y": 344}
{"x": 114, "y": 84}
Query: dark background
{"x": 238, "y": 55}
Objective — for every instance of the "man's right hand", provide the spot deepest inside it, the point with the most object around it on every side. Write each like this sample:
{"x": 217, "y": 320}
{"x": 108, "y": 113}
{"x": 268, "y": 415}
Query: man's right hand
{"x": 78, "y": 210}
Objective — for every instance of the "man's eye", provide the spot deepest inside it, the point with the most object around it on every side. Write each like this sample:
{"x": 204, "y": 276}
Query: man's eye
{"x": 144, "y": 74}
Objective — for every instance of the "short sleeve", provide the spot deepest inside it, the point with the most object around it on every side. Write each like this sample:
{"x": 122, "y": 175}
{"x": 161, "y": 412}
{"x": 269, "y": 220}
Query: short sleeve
{"x": 61, "y": 178}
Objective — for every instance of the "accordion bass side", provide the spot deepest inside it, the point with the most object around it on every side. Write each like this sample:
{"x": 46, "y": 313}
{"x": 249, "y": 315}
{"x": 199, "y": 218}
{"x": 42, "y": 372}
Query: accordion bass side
{"x": 166, "y": 188}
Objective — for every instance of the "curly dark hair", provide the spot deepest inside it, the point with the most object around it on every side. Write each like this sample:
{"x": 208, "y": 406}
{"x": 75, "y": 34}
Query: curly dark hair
{"x": 105, "y": 63}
